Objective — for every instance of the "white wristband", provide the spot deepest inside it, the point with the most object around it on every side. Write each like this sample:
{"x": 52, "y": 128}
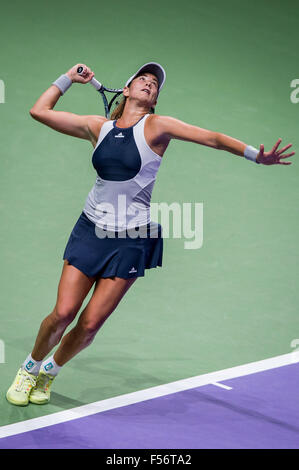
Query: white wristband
{"x": 63, "y": 83}
{"x": 251, "y": 153}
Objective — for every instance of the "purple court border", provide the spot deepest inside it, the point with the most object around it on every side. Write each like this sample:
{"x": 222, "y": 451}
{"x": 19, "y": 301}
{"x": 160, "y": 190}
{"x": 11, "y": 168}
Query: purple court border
{"x": 260, "y": 411}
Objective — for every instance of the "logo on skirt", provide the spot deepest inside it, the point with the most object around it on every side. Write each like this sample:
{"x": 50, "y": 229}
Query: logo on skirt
{"x": 133, "y": 270}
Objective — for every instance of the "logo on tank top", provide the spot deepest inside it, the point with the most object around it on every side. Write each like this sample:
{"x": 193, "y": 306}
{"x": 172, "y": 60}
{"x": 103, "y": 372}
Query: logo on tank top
{"x": 120, "y": 135}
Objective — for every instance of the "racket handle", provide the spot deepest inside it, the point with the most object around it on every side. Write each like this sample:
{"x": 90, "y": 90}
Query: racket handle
{"x": 93, "y": 81}
{"x": 98, "y": 86}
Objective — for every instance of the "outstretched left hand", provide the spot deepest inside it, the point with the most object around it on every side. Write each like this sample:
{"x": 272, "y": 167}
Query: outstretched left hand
{"x": 273, "y": 157}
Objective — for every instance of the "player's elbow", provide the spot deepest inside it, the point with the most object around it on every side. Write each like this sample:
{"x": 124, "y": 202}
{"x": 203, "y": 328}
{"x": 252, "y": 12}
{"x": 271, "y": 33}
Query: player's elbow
{"x": 37, "y": 114}
{"x": 33, "y": 113}
{"x": 216, "y": 139}
{"x": 210, "y": 139}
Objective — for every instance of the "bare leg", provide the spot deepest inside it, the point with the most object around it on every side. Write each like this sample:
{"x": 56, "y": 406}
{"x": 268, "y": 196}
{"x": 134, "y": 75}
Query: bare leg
{"x": 72, "y": 290}
{"x": 107, "y": 295}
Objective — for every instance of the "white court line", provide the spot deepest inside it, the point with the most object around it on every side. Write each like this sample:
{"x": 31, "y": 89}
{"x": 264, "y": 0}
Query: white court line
{"x": 226, "y": 387}
{"x": 148, "y": 394}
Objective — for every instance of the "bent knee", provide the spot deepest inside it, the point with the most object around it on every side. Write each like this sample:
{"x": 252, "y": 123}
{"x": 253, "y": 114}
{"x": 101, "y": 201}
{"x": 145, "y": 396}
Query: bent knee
{"x": 64, "y": 313}
{"x": 90, "y": 326}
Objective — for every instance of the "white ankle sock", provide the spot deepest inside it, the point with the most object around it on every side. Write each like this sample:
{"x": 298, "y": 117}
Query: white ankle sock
{"x": 31, "y": 365}
{"x": 49, "y": 366}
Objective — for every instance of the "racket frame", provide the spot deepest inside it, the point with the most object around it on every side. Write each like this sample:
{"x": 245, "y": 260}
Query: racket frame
{"x": 101, "y": 89}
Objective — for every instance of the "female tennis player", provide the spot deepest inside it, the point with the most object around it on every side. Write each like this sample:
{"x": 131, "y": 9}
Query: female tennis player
{"x": 128, "y": 149}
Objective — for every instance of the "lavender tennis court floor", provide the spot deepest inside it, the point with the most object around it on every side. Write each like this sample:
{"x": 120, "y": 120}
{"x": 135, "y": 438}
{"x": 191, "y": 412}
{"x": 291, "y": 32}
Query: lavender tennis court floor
{"x": 259, "y": 410}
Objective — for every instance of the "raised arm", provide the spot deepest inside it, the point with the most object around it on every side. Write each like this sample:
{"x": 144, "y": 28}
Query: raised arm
{"x": 85, "y": 127}
{"x": 170, "y": 128}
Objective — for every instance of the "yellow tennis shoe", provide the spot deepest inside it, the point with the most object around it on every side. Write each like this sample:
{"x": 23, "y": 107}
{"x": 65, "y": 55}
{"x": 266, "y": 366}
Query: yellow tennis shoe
{"x": 41, "y": 392}
{"x": 19, "y": 392}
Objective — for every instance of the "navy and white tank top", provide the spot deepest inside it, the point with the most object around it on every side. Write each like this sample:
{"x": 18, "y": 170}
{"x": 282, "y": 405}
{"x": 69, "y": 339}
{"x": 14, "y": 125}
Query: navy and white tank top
{"x": 126, "y": 173}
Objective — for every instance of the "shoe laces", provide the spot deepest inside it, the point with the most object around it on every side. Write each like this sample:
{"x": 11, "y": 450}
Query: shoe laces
{"x": 25, "y": 380}
{"x": 44, "y": 381}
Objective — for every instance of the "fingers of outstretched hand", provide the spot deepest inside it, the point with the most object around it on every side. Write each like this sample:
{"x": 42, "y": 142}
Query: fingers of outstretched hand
{"x": 287, "y": 155}
{"x": 284, "y": 149}
{"x": 276, "y": 146}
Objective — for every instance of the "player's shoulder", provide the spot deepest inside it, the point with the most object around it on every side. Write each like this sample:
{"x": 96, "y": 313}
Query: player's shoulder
{"x": 96, "y": 120}
{"x": 94, "y": 124}
{"x": 162, "y": 123}
{"x": 159, "y": 120}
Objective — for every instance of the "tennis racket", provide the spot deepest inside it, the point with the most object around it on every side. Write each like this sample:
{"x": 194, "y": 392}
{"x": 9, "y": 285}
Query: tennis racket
{"x": 115, "y": 100}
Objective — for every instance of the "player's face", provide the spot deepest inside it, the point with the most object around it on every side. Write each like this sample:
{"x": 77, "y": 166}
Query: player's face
{"x": 145, "y": 87}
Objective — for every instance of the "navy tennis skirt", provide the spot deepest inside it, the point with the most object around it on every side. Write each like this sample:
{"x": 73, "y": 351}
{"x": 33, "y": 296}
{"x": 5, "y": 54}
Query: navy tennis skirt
{"x": 122, "y": 256}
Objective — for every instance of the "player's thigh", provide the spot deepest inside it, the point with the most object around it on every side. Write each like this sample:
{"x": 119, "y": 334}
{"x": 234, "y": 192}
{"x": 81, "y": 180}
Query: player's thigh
{"x": 107, "y": 294}
{"x": 72, "y": 289}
